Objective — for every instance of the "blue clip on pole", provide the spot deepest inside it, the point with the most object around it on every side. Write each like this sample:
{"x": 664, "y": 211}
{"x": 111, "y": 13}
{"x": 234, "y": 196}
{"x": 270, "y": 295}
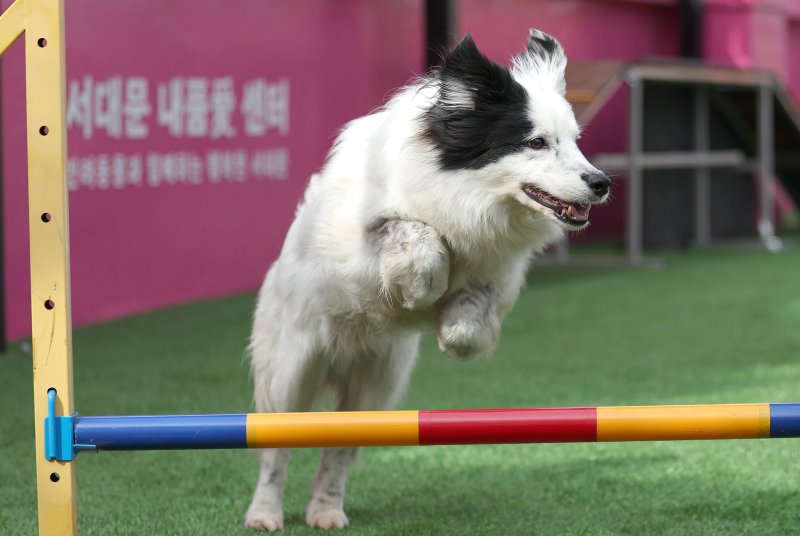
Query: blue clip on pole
{"x": 59, "y": 434}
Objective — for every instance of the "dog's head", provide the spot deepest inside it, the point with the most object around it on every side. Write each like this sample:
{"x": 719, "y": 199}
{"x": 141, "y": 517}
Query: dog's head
{"x": 514, "y": 127}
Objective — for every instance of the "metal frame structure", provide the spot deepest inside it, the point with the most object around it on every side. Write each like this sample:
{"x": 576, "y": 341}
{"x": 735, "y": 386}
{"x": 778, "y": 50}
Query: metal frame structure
{"x": 702, "y": 159}
{"x": 702, "y": 79}
{"x": 61, "y": 434}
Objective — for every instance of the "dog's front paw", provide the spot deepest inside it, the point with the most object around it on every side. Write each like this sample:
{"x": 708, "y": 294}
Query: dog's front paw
{"x": 263, "y": 519}
{"x": 467, "y": 339}
{"x": 415, "y": 264}
{"x": 326, "y": 518}
{"x": 423, "y": 284}
{"x": 468, "y": 323}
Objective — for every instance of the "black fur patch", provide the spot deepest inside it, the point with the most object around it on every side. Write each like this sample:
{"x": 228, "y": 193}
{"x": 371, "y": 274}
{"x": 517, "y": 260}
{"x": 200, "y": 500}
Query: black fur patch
{"x": 497, "y": 123}
{"x": 541, "y": 44}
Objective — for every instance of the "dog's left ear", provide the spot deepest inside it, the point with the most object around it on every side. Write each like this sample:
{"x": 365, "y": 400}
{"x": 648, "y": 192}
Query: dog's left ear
{"x": 543, "y": 57}
{"x": 470, "y": 80}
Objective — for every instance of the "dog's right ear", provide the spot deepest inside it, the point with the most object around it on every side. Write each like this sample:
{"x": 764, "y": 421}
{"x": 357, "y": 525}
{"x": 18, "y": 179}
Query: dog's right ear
{"x": 470, "y": 80}
{"x": 542, "y": 58}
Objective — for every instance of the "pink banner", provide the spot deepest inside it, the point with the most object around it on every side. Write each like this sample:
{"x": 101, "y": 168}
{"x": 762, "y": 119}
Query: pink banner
{"x": 193, "y": 127}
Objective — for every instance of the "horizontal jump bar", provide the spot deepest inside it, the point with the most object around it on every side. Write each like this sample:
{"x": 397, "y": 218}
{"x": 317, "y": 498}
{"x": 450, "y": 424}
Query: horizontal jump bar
{"x": 438, "y": 427}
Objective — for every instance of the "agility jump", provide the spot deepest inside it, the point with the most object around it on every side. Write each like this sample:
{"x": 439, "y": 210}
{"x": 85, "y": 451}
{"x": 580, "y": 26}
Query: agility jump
{"x": 423, "y": 427}
{"x": 61, "y": 434}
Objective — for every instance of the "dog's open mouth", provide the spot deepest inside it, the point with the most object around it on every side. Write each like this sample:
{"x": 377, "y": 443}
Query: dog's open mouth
{"x": 576, "y": 214}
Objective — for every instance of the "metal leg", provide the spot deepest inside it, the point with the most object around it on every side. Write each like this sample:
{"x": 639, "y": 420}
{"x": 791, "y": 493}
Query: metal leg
{"x": 766, "y": 169}
{"x": 635, "y": 219}
{"x": 702, "y": 174}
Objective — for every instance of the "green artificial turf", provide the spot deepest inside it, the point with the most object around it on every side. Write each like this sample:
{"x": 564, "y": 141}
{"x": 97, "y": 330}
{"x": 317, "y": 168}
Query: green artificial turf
{"x": 714, "y": 327}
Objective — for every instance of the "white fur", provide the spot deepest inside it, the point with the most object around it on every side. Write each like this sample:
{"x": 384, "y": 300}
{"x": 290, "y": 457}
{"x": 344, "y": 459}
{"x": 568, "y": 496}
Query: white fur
{"x": 385, "y": 244}
{"x": 543, "y": 70}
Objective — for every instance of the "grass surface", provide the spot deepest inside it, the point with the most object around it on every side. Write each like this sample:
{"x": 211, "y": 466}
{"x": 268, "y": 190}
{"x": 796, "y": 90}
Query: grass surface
{"x": 714, "y": 327}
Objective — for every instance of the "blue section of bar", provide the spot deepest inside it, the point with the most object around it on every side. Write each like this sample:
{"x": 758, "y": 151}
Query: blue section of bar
{"x": 155, "y": 432}
{"x": 784, "y": 420}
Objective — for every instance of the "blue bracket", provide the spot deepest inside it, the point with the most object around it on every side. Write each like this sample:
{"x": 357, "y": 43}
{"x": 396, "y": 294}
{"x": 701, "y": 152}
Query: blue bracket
{"x": 59, "y": 434}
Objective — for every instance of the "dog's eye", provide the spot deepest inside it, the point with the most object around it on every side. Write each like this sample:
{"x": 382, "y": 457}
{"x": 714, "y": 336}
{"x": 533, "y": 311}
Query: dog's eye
{"x": 537, "y": 143}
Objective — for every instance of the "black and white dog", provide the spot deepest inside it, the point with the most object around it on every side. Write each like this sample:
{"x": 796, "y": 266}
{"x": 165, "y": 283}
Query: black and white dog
{"x": 426, "y": 212}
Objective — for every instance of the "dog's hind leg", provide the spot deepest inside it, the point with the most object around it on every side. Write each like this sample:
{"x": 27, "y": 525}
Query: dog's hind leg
{"x": 374, "y": 384}
{"x": 266, "y": 508}
{"x": 284, "y": 381}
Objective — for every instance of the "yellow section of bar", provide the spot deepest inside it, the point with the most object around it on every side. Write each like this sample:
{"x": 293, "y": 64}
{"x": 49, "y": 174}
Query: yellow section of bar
{"x": 655, "y": 423}
{"x": 334, "y": 429}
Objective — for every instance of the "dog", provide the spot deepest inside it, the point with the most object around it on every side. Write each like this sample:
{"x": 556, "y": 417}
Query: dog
{"x": 426, "y": 213}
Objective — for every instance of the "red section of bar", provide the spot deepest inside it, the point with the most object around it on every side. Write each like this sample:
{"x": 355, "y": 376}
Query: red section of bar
{"x": 537, "y": 425}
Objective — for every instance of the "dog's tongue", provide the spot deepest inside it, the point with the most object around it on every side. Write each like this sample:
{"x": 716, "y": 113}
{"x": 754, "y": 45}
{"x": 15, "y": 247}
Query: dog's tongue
{"x": 578, "y": 211}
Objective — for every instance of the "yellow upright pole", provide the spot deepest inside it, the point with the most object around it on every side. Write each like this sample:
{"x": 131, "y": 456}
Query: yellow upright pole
{"x": 49, "y": 243}
{"x": 43, "y": 24}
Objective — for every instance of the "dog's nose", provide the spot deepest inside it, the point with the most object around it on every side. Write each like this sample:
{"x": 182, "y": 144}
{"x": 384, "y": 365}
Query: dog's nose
{"x": 598, "y": 182}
